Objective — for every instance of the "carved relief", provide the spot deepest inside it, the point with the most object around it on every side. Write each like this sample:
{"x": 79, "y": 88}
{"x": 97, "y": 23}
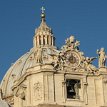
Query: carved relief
{"x": 72, "y": 43}
{"x": 69, "y": 56}
{"x": 10, "y": 100}
{"x": 105, "y": 79}
{"x": 20, "y": 91}
{"x": 88, "y": 64}
{"x": 45, "y": 55}
{"x": 32, "y": 57}
{"x": 37, "y": 91}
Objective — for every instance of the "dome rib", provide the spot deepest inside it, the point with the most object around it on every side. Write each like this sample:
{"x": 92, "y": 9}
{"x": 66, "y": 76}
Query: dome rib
{"x": 25, "y": 64}
{"x": 14, "y": 70}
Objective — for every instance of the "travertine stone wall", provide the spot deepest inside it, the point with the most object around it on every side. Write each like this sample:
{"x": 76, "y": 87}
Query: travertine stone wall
{"x": 48, "y": 89}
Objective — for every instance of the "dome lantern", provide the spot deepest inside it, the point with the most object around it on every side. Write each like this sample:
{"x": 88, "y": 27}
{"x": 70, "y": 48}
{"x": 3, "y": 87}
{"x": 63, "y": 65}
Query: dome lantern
{"x": 43, "y": 34}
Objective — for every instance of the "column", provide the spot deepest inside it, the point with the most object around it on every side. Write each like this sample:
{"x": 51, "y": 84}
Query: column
{"x": 37, "y": 41}
{"x": 45, "y": 39}
{"x": 41, "y": 39}
{"x": 49, "y": 40}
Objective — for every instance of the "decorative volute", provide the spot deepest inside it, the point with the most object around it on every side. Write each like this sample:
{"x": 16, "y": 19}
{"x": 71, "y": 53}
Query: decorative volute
{"x": 43, "y": 34}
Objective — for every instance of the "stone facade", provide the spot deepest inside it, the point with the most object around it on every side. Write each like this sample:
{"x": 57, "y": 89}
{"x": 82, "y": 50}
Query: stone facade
{"x": 47, "y": 77}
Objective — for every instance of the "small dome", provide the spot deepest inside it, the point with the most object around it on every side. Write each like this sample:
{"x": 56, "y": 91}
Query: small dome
{"x": 43, "y": 28}
{"x": 19, "y": 68}
{"x": 43, "y": 34}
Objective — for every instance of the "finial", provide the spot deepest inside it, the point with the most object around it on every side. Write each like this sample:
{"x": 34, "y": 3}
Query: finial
{"x": 43, "y": 10}
{"x": 43, "y": 13}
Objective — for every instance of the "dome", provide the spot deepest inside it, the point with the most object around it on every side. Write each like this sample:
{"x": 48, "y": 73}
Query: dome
{"x": 43, "y": 28}
{"x": 19, "y": 68}
{"x": 40, "y": 53}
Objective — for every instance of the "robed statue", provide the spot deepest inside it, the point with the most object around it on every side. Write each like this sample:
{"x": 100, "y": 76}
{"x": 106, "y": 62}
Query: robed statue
{"x": 102, "y": 57}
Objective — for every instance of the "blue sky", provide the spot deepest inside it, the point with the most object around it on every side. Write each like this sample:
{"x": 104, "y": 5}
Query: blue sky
{"x": 85, "y": 19}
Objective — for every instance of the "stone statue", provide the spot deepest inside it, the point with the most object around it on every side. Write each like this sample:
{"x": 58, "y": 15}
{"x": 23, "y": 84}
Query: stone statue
{"x": 102, "y": 57}
{"x": 77, "y": 43}
{"x": 72, "y": 43}
{"x": 76, "y": 88}
{"x": 72, "y": 39}
{"x": 39, "y": 56}
{"x": 88, "y": 64}
{"x": 67, "y": 41}
{"x": 58, "y": 61}
{"x": 55, "y": 63}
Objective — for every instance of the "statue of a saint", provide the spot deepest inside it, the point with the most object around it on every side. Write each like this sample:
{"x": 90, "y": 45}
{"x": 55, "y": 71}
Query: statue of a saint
{"x": 102, "y": 57}
{"x": 72, "y": 39}
{"x": 72, "y": 43}
{"x": 39, "y": 56}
